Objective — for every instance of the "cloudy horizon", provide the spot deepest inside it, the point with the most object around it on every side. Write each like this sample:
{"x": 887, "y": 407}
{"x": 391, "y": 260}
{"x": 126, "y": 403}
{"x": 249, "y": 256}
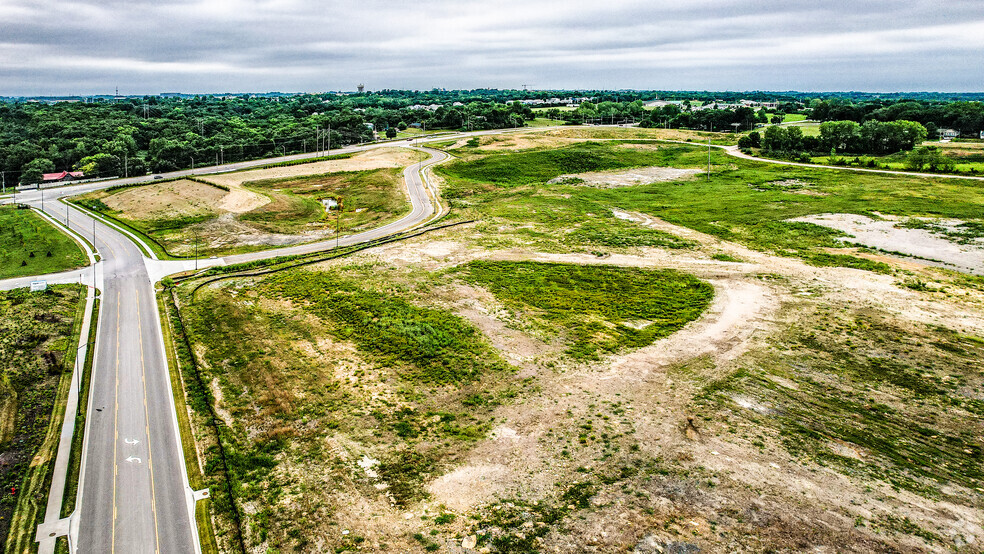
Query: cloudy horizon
{"x": 80, "y": 47}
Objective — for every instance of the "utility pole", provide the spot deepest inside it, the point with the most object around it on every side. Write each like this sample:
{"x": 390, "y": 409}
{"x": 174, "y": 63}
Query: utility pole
{"x": 192, "y": 163}
{"x": 42, "y": 196}
{"x": 338, "y": 224}
{"x": 222, "y": 154}
{"x": 328, "y": 142}
{"x": 126, "y": 166}
{"x": 708, "y": 159}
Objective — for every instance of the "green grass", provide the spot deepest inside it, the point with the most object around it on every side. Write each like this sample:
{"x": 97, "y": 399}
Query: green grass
{"x": 739, "y": 203}
{"x": 433, "y": 346}
{"x": 601, "y": 309}
{"x": 511, "y": 169}
{"x": 436, "y": 377}
{"x": 29, "y": 245}
{"x": 37, "y": 353}
{"x": 78, "y": 437}
{"x": 791, "y": 117}
{"x": 545, "y": 122}
{"x": 371, "y": 198}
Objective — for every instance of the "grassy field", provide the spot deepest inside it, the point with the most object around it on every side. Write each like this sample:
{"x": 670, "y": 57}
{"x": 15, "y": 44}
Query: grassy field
{"x": 285, "y": 209}
{"x": 344, "y": 355}
{"x": 864, "y": 382}
{"x": 747, "y": 202}
{"x": 560, "y": 108}
{"x": 545, "y": 122}
{"x": 37, "y": 352}
{"x": 369, "y": 198}
{"x": 600, "y": 309}
{"x": 568, "y": 368}
{"x": 792, "y": 117}
{"x": 333, "y": 357}
{"x": 29, "y": 245}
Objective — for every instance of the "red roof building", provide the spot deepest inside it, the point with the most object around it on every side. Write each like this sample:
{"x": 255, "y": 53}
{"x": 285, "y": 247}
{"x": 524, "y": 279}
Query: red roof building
{"x": 63, "y": 176}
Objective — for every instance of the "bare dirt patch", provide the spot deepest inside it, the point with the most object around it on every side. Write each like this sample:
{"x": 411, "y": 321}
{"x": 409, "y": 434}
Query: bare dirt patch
{"x": 167, "y": 200}
{"x": 376, "y": 158}
{"x": 627, "y": 178}
{"x": 885, "y": 234}
{"x": 755, "y": 299}
{"x": 524, "y": 141}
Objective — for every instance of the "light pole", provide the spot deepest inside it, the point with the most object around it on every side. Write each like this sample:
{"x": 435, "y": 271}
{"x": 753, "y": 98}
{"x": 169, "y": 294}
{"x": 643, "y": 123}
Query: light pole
{"x": 708, "y": 159}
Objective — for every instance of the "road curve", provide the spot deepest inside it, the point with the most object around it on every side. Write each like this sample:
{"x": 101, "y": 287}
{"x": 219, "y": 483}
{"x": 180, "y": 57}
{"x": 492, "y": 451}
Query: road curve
{"x": 133, "y": 493}
{"x": 423, "y": 207}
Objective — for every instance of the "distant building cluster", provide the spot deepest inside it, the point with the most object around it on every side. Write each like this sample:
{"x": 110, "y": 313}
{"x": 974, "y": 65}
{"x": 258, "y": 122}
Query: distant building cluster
{"x": 570, "y": 102}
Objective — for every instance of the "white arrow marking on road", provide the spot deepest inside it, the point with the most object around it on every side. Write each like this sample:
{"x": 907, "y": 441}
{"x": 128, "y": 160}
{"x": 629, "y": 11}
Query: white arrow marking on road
{"x": 131, "y": 441}
{"x": 132, "y": 459}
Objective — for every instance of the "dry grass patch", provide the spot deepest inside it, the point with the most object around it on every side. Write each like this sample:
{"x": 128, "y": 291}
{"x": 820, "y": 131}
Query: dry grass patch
{"x": 174, "y": 199}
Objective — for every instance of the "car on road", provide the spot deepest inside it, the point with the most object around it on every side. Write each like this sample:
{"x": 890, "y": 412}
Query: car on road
{"x": 158, "y": 176}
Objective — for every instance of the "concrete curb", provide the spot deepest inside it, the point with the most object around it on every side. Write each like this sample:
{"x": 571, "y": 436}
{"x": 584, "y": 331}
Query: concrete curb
{"x": 54, "y": 525}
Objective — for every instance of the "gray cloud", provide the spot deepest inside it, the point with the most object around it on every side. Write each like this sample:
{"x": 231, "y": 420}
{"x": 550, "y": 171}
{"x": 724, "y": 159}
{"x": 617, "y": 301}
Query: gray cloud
{"x": 89, "y": 47}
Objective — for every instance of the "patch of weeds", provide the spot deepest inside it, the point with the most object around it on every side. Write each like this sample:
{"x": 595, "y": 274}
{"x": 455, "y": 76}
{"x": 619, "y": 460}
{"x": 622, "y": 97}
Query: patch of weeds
{"x": 518, "y": 525}
{"x": 600, "y": 308}
{"x": 823, "y": 259}
{"x": 434, "y": 345}
{"x": 405, "y": 472}
{"x": 725, "y": 257}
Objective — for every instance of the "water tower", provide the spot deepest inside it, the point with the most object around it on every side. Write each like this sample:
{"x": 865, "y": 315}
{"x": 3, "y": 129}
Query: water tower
{"x": 362, "y": 88}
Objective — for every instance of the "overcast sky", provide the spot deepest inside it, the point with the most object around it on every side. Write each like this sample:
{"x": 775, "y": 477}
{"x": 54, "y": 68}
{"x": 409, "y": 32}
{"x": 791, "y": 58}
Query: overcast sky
{"x": 94, "y": 46}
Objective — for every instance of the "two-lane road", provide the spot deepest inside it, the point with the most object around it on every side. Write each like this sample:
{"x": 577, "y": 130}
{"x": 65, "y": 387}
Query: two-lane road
{"x": 133, "y": 492}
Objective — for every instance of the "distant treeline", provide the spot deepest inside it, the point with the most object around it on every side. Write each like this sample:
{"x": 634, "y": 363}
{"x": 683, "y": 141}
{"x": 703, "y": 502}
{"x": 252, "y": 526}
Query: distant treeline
{"x": 133, "y": 136}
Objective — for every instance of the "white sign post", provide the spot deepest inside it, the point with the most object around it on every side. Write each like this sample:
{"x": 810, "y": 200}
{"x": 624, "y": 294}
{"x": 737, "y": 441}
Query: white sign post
{"x": 39, "y": 286}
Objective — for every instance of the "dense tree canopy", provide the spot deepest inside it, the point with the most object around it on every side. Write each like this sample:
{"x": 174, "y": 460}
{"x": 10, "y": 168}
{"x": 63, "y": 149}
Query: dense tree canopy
{"x": 135, "y": 135}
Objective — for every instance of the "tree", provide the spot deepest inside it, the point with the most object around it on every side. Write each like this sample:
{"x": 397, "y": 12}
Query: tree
{"x": 100, "y": 165}
{"x": 842, "y": 136}
{"x": 34, "y": 170}
{"x": 928, "y": 157}
{"x": 390, "y": 132}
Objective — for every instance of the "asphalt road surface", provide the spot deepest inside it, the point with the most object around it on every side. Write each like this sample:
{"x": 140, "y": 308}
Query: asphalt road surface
{"x": 133, "y": 493}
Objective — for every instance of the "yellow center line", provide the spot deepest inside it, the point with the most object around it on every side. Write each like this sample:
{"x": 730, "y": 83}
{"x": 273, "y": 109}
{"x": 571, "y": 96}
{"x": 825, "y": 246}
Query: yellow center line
{"x": 150, "y": 459}
{"x": 116, "y": 417}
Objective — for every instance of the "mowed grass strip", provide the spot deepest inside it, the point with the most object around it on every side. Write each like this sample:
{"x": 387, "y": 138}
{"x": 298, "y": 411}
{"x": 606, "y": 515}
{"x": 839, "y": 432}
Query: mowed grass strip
{"x": 601, "y": 309}
{"x": 29, "y": 245}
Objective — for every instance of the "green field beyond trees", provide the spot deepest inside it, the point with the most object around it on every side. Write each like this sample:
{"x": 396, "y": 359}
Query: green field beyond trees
{"x": 29, "y": 245}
